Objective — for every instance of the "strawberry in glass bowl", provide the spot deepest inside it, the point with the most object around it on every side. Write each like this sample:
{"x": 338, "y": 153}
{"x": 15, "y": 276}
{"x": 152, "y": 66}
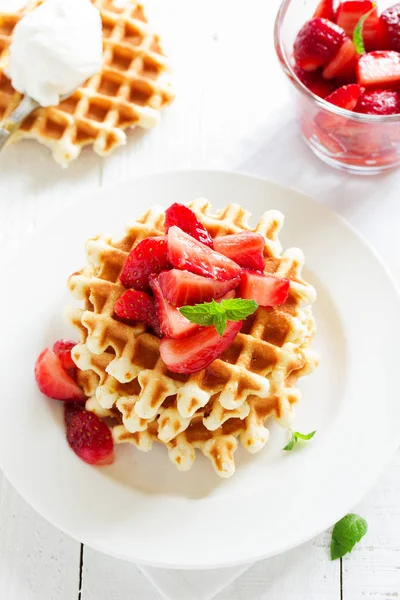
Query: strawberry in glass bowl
{"x": 343, "y": 60}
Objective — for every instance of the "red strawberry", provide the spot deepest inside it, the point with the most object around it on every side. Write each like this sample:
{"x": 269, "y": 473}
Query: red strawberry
{"x": 88, "y": 436}
{"x": 147, "y": 258}
{"x": 379, "y": 69}
{"x": 62, "y": 348}
{"x": 138, "y": 306}
{"x": 346, "y": 97}
{"x": 266, "y": 290}
{"x": 379, "y": 102}
{"x": 317, "y": 43}
{"x": 199, "y": 350}
{"x": 184, "y": 218}
{"x": 350, "y": 12}
{"x": 325, "y": 10}
{"x": 246, "y": 249}
{"x": 314, "y": 82}
{"x": 184, "y": 252}
{"x": 54, "y": 381}
{"x": 344, "y": 64}
{"x": 172, "y": 323}
{"x": 390, "y": 23}
{"x": 182, "y": 287}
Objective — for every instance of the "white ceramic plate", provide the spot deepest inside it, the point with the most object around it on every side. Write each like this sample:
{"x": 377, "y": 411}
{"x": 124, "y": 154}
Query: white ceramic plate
{"x": 141, "y": 508}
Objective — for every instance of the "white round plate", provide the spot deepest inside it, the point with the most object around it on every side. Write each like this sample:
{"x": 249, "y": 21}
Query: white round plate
{"x": 141, "y": 508}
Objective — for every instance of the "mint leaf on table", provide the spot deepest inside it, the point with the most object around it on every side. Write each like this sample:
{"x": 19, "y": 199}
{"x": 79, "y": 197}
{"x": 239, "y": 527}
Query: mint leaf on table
{"x": 296, "y": 436}
{"x": 358, "y": 32}
{"x": 346, "y": 534}
{"x": 218, "y": 313}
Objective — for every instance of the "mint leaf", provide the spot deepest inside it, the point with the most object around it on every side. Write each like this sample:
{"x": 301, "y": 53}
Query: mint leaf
{"x": 358, "y": 32}
{"x": 346, "y": 534}
{"x": 218, "y": 313}
{"x": 296, "y": 436}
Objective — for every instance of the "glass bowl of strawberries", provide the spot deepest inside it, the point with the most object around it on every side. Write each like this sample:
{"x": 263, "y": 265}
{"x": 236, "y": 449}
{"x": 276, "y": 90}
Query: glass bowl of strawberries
{"x": 343, "y": 60}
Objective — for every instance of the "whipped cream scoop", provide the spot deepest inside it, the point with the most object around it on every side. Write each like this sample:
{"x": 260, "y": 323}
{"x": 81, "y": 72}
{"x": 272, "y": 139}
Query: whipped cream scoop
{"x": 56, "y": 48}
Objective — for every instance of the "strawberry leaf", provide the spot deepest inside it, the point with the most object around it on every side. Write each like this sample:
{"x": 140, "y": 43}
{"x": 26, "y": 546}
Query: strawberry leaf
{"x": 358, "y": 32}
{"x": 346, "y": 534}
{"x": 218, "y": 313}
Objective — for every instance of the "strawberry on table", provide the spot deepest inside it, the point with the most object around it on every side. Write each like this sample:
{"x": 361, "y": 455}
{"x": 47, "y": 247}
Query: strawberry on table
{"x": 266, "y": 290}
{"x": 184, "y": 218}
{"x": 199, "y": 350}
{"x": 379, "y": 102}
{"x": 183, "y": 287}
{"x": 379, "y": 69}
{"x": 317, "y": 42}
{"x": 325, "y": 10}
{"x": 88, "y": 436}
{"x": 346, "y": 96}
{"x": 390, "y": 23}
{"x": 62, "y": 348}
{"x": 343, "y": 65}
{"x": 184, "y": 252}
{"x": 172, "y": 323}
{"x": 246, "y": 249}
{"x": 54, "y": 381}
{"x": 138, "y": 306}
{"x": 147, "y": 258}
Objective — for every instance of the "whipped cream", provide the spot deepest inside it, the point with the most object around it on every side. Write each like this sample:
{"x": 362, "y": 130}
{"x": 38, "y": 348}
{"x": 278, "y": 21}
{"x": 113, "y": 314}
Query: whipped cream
{"x": 55, "y": 48}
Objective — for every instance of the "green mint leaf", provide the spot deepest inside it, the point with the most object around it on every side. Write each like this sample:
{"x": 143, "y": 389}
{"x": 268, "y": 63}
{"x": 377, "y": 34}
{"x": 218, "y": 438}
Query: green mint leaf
{"x": 296, "y": 436}
{"x": 237, "y": 309}
{"x": 197, "y": 314}
{"x": 358, "y": 32}
{"x": 346, "y": 534}
{"x": 220, "y": 323}
{"x": 218, "y": 313}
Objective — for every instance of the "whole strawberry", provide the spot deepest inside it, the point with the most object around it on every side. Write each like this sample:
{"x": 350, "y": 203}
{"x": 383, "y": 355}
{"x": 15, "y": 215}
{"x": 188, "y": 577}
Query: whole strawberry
{"x": 88, "y": 436}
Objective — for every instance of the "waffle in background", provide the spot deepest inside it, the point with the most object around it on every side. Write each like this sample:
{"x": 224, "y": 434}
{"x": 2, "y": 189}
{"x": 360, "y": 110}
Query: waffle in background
{"x": 131, "y": 89}
{"x": 255, "y": 379}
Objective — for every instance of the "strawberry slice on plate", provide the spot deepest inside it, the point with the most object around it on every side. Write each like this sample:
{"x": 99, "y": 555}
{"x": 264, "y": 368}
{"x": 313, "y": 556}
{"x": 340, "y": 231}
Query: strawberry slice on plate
{"x": 88, "y": 436}
{"x": 350, "y": 12}
{"x": 317, "y": 42}
{"x": 266, "y": 290}
{"x": 246, "y": 249}
{"x": 346, "y": 96}
{"x": 325, "y": 10}
{"x": 54, "y": 381}
{"x": 62, "y": 348}
{"x": 379, "y": 102}
{"x": 147, "y": 258}
{"x": 199, "y": 350}
{"x": 138, "y": 306}
{"x": 172, "y": 323}
{"x": 390, "y": 24}
{"x": 379, "y": 69}
{"x": 184, "y": 218}
{"x": 344, "y": 64}
{"x": 184, "y": 252}
{"x": 182, "y": 287}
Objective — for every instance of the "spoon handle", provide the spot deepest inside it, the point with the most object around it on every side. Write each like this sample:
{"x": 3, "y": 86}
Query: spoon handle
{"x": 11, "y": 124}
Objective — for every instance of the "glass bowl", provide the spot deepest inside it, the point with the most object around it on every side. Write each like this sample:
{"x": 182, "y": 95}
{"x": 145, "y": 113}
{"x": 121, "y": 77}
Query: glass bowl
{"x": 354, "y": 142}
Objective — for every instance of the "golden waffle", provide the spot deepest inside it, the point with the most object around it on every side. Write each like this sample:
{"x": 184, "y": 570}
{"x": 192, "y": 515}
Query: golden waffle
{"x": 255, "y": 378}
{"x": 130, "y": 90}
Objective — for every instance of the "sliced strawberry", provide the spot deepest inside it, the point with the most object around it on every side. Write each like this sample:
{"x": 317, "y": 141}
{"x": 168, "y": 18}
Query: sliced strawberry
{"x": 314, "y": 82}
{"x": 379, "y": 69}
{"x": 184, "y": 218}
{"x": 379, "y": 102}
{"x": 246, "y": 249}
{"x": 88, "y": 436}
{"x": 344, "y": 64}
{"x": 138, "y": 306}
{"x": 199, "y": 350}
{"x": 346, "y": 97}
{"x": 184, "y": 252}
{"x": 317, "y": 42}
{"x": 266, "y": 290}
{"x": 147, "y": 258}
{"x": 182, "y": 287}
{"x": 54, "y": 381}
{"x": 172, "y": 323}
{"x": 350, "y": 12}
{"x": 390, "y": 24}
{"x": 325, "y": 10}
{"x": 62, "y": 348}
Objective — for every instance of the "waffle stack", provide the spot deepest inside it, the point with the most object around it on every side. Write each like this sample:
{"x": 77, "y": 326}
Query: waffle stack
{"x": 130, "y": 90}
{"x": 121, "y": 370}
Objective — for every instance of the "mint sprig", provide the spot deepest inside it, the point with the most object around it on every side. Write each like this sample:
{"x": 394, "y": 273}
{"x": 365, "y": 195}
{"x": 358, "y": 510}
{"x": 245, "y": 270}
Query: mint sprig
{"x": 296, "y": 436}
{"x": 219, "y": 313}
{"x": 358, "y": 31}
{"x": 346, "y": 534}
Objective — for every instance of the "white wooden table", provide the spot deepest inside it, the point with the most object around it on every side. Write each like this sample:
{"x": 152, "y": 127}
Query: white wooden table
{"x": 232, "y": 112}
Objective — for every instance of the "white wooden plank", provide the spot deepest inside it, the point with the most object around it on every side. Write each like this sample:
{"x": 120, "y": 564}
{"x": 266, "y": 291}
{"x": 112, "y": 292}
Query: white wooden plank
{"x": 372, "y": 571}
{"x": 37, "y": 561}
